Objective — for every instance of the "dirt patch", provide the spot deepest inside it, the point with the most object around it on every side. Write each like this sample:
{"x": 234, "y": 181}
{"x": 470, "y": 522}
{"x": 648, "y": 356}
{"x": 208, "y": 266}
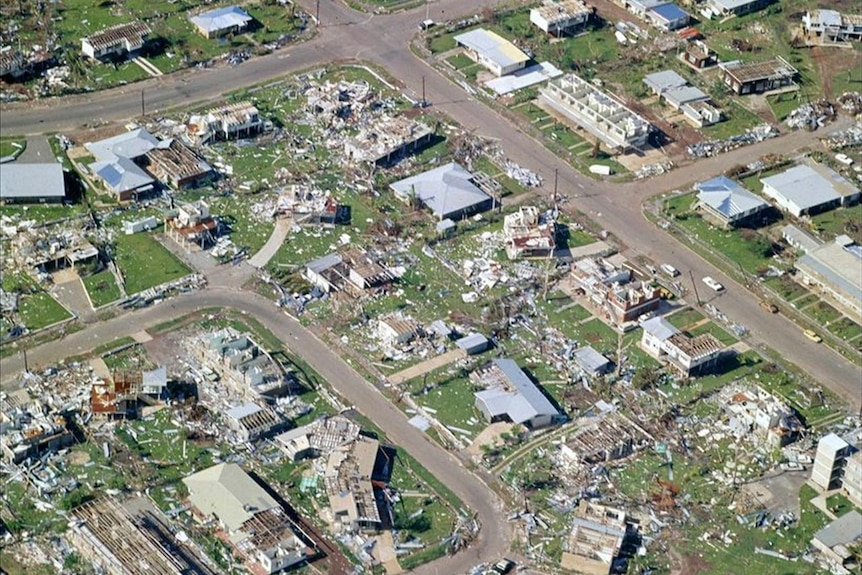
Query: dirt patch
{"x": 831, "y": 62}
{"x": 79, "y": 458}
{"x": 686, "y": 564}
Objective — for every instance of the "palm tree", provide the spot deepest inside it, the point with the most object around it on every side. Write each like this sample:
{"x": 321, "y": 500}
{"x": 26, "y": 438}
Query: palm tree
{"x": 77, "y": 66}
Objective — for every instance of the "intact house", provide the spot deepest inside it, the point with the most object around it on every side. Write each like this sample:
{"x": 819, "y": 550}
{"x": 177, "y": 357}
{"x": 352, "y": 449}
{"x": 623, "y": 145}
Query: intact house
{"x": 597, "y": 537}
{"x": 251, "y": 421}
{"x": 120, "y": 41}
{"x": 355, "y": 477}
{"x": 561, "y": 18}
{"x": 699, "y": 56}
{"x": 809, "y": 188}
{"x": 247, "y": 518}
{"x": 12, "y": 63}
{"x": 221, "y": 21}
{"x": 32, "y": 183}
{"x": 835, "y": 540}
{"x": 492, "y": 51}
{"x": 191, "y": 225}
{"x": 320, "y": 437}
{"x": 833, "y": 26}
{"x": 668, "y": 17}
{"x": 724, "y": 8}
{"x": 240, "y": 362}
{"x": 758, "y": 77}
{"x": 449, "y": 191}
{"x": 228, "y": 122}
{"x": 591, "y": 362}
{"x": 611, "y": 290}
{"x": 695, "y": 104}
{"x": 832, "y": 270}
{"x": 528, "y": 233}
{"x": 353, "y": 272}
{"x": 726, "y": 203}
{"x": 132, "y": 164}
{"x": 387, "y": 141}
{"x": 597, "y": 112}
{"x": 509, "y": 395}
{"x": 688, "y": 355}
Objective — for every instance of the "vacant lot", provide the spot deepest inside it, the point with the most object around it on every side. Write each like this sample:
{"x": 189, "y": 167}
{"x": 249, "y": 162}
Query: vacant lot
{"x": 145, "y": 263}
{"x": 102, "y": 288}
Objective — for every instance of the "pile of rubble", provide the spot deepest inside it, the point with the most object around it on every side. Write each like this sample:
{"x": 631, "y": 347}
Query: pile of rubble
{"x": 523, "y": 176}
{"x": 657, "y": 169}
{"x": 811, "y": 116}
{"x": 851, "y": 103}
{"x": 709, "y": 148}
{"x": 852, "y": 136}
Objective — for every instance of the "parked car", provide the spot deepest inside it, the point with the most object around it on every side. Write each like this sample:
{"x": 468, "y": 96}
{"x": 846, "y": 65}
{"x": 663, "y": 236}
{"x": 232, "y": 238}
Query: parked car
{"x": 503, "y": 566}
{"x": 669, "y": 270}
{"x": 426, "y": 24}
{"x": 769, "y": 306}
{"x": 812, "y": 335}
{"x": 714, "y": 285}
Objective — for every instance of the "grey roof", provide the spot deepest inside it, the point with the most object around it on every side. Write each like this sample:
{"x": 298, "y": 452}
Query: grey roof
{"x": 728, "y": 197}
{"x": 225, "y": 490}
{"x": 128, "y": 145}
{"x": 665, "y": 80}
{"x": 155, "y": 378}
{"x": 838, "y": 265}
{"x": 803, "y": 186}
{"x": 492, "y": 46}
{"x": 846, "y": 529}
{"x": 472, "y": 340}
{"x": 221, "y": 19}
{"x": 829, "y": 17}
{"x": 31, "y": 180}
{"x": 832, "y": 442}
{"x": 644, "y": 5}
{"x": 324, "y": 263}
{"x": 444, "y": 225}
{"x": 590, "y": 360}
{"x": 121, "y": 174}
{"x": 243, "y": 410}
{"x": 447, "y": 190}
{"x": 685, "y": 95}
{"x": 730, "y": 5}
{"x": 800, "y": 239}
{"x": 659, "y": 328}
{"x": 522, "y": 404}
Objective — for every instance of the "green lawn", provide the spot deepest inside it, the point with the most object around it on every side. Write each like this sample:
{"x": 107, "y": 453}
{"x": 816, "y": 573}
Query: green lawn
{"x": 598, "y": 335}
{"x": 460, "y": 61}
{"x": 684, "y": 317}
{"x": 11, "y": 146}
{"x": 452, "y": 399}
{"x": 145, "y": 263}
{"x": 835, "y": 222}
{"x": 737, "y": 120}
{"x": 786, "y": 287}
{"x": 102, "y": 288}
{"x": 443, "y": 43}
{"x": 822, "y": 313}
{"x": 40, "y": 310}
{"x": 845, "y": 328}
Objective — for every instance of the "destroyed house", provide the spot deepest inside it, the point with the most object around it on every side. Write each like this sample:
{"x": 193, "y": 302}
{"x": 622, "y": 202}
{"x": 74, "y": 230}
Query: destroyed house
{"x": 248, "y": 518}
{"x": 27, "y": 432}
{"x": 449, "y": 191}
{"x": 221, "y": 21}
{"x": 559, "y": 18}
{"x": 228, "y": 122}
{"x": 11, "y": 62}
{"x": 833, "y": 26}
{"x": 597, "y": 112}
{"x": 109, "y": 537}
{"x": 609, "y": 438}
{"x": 510, "y": 395}
{"x": 52, "y": 252}
{"x": 354, "y": 481}
{"x": 756, "y": 412}
{"x": 529, "y": 234}
{"x": 699, "y": 56}
{"x": 396, "y": 329}
{"x": 117, "y": 397}
{"x": 307, "y": 206}
{"x": 758, "y": 77}
{"x": 726, "y": 203}
{"x": 243, "y": 364}
{"x": 686, "y": 354}
{"x": 32, "y": 183}
{"x": 354, "y": 271}
{"x": 119, "y": 40}
{"x": 836, "y": 540}
{"x": 174, "y": 164}
{"x": 492, "y": 51}
{"x": 609, "y": 288}
{"x": 191, "y": 224}
{"x": 320, "y": 437}
{"x": 251, "y": 422}
{"x": 597, "y": 536}
{"x": 387, "y": 140}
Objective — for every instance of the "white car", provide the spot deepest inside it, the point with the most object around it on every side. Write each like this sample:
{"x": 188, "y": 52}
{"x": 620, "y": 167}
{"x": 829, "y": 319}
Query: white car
{"x": 714, "y": 285}
{"x": 669, "y": 270}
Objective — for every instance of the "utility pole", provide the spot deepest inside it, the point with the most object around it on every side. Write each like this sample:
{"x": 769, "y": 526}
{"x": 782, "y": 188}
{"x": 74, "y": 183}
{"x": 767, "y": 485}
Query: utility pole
{"x": 556, "y": 174}
{"x": 26, "y": 367}
{"x": 427, "y": 7}
{"x": 694, "y": 285}
{"x": 143, "y": 111}
{"x": 317, "y": 14}
{"x": 424, "y": 101}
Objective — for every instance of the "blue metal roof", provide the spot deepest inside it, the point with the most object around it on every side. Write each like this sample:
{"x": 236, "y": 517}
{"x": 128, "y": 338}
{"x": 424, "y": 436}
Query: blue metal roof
{"x": 670, "y": 12}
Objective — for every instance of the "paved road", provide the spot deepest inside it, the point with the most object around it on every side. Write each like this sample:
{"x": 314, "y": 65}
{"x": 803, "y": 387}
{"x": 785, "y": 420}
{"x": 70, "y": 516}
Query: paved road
{"x": 494, "y": 536}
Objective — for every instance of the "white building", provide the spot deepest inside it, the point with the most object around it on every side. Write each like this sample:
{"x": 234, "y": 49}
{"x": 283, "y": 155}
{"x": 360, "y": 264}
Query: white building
{"x": 396, "y": 329}
{"x": 119, "y": 40}
{"x": 687, "y": 354}
{"x": 250, "y": 421}
{"x": 830, "y": 461}
{"x": 221, "y": 21}
{"x": 809, "y": 188}
{"x": 561, "y": 18}
{"x": 727, "y": 202}
{"x": 833, "y": 26}
{"x": 228, "y": 122}
{"x": 492, "y": 51}
{"x": 596, "y": 112}
{"x": 833, "y": 269}
{"x": 510, "y": 395}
